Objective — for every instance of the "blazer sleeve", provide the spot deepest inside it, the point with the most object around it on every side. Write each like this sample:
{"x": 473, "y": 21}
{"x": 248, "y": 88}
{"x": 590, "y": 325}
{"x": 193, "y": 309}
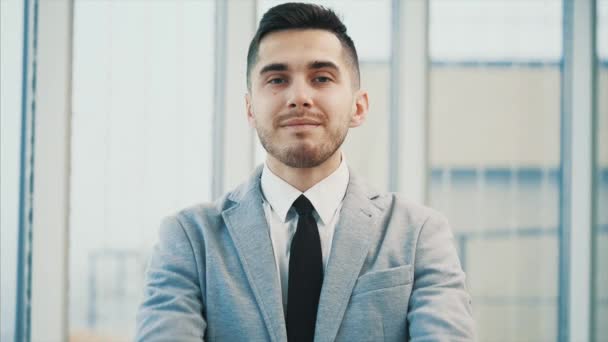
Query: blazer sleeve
{"x": 440, "y": 307}
{"x": 172, "y": 308}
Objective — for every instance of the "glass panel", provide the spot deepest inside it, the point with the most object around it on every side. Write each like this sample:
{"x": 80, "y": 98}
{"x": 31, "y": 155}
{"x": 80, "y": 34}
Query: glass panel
{"x": 600, "y": 297}
{"x": 141, "y": 146}
{"x": 11, "y": 38}
{"x": 373, "y": 45}
{"x": 511, "y": 30}
{"x": 494, "y": 141}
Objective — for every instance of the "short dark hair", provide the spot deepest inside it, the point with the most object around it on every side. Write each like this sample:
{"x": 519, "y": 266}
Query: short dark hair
{"x": 294, "y": 15}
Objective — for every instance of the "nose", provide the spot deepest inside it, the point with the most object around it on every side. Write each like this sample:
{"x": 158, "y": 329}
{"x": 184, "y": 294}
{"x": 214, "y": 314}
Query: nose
{"x": 300, "y": 95}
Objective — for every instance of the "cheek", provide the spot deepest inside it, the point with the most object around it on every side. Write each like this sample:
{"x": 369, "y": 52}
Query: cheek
{"x": 267, "y": 103}
{"x": 338, "y": 105}
{"x": 263, "y": 114}
{"x": 343, "y": 97}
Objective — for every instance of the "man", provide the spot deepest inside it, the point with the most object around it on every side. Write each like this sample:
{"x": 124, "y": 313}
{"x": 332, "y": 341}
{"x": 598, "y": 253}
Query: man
{"x": 304, "y": 249}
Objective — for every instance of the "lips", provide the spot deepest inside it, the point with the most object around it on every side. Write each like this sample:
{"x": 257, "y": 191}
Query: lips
{"x": 300, "y": 122}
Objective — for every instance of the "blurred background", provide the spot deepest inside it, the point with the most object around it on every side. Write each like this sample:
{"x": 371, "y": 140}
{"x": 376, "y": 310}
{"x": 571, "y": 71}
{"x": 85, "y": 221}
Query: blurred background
{"x": 115, "y": 114}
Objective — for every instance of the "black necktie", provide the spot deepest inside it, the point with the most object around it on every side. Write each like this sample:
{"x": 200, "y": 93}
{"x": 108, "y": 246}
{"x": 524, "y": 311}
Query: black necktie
{"x": 305, "y": 275}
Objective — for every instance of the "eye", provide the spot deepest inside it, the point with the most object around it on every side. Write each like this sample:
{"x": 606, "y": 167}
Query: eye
{"x": 276, "y": 80}
{"x": 322, "y": 79}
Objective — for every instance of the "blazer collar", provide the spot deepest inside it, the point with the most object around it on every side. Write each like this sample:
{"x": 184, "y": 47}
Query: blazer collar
{"x": 246, "y": 223}
{"x": 248, "y": 228}
{"x": 355, "y": 230}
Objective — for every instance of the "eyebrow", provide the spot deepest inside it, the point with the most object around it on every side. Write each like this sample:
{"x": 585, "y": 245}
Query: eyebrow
{"x": 311, "y": 65}
{"x": 323, "y": 65}
{"x": 273, "y": 67}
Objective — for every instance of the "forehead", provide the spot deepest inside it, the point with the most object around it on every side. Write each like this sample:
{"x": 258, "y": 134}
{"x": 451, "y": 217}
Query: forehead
{"x": 300, "y": 47}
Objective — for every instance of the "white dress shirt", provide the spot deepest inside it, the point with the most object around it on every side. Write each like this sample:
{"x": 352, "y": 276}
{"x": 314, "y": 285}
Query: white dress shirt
{"x": 325, "y": 196}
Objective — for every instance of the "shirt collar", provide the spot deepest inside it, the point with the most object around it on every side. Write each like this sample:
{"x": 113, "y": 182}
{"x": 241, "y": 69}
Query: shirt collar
{"x": 325, "y": 196}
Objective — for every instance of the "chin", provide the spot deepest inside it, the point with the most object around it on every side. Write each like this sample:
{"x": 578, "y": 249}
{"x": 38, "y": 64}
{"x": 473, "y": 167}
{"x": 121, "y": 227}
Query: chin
{"x": 298, "y": 152}
{"x": 303, "y": 156}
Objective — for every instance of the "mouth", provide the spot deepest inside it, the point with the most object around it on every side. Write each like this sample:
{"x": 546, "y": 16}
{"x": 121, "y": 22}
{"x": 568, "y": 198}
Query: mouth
{"x": 300, "y": 124}
{"x": 300, "y": 127}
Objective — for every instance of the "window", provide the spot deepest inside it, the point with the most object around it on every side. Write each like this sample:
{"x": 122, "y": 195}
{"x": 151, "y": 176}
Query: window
{"x": 144, "y": 88}
{"x": 494, "y": 142}
{"x": 141, "y": 146}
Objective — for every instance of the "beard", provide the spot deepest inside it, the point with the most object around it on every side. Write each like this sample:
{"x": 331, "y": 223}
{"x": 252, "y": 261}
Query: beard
{"x": 302, "y": 154}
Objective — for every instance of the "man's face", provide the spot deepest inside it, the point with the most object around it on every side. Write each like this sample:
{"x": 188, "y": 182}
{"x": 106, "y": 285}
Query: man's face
{"x": 302, "y": 99}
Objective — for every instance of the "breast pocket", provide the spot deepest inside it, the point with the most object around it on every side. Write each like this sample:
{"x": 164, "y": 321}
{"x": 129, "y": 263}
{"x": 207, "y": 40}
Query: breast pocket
{"x": 378, "y": 306}
{"x": 383, "y": 279}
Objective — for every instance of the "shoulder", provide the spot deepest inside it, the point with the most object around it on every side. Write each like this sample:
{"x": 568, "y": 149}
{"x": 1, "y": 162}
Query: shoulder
{"x": 394, "y": 205}
{"x": 187, "y": 226}
{"x": 416, "y": 211}
{"x": 402, "y": 212}
{"x": 201, "y": 215}
{"x": 200, "y": 219}
{"x": 398, "y": 204}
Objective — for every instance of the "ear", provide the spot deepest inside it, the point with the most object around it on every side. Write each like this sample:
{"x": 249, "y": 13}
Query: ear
{"x": 360, "y": 108}
{"x": 250, "y": 116}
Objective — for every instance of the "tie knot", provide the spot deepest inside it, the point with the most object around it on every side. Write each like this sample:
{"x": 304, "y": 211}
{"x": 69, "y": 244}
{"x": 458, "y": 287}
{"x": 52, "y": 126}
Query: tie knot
{"x": 303, "y": 206}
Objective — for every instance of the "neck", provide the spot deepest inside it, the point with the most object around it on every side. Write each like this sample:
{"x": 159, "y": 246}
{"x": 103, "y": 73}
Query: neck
{"x": 304, "y": 178}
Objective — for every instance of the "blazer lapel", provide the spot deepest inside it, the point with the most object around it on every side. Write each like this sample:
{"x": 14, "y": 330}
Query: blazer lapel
{"x": 248, "y": 228}
{"x": 350, "y": 246}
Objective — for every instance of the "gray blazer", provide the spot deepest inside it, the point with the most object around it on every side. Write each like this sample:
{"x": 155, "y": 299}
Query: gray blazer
{"x": 393, "y": 274}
